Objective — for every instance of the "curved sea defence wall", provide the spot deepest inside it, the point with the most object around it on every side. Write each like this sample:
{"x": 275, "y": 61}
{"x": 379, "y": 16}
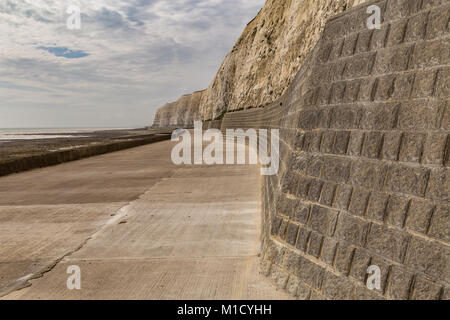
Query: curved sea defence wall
{"x": 364, "y": 176}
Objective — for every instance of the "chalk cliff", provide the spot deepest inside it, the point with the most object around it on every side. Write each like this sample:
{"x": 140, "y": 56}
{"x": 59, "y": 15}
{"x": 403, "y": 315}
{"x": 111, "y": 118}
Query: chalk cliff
{"x": 262, "y": 63}
{"x": 181, "y": 113}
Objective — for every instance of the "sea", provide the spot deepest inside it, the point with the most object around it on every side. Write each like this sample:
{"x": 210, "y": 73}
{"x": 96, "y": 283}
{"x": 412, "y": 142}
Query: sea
{"x": 9, "y": 134}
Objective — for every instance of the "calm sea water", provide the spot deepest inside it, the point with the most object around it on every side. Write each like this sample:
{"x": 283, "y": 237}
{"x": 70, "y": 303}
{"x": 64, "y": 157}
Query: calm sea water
{"x": 8, "y": 134}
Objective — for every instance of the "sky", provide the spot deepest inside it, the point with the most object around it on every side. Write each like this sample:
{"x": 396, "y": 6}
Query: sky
{"x": 122, "y": 61}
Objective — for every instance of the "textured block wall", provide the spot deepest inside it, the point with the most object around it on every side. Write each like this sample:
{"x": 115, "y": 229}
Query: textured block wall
{"x": 364, "y": 176}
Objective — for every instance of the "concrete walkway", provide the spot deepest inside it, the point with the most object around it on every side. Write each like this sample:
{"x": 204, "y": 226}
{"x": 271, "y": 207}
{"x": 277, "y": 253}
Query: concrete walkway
{"x": 137, "y": 226}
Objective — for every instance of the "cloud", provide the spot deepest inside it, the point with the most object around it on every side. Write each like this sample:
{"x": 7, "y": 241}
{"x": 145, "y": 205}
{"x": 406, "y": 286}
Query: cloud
{"x": 128, "y": 58}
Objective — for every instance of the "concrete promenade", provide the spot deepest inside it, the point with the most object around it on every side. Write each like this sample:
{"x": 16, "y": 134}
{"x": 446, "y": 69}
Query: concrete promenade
{"x": 138, "y": 226}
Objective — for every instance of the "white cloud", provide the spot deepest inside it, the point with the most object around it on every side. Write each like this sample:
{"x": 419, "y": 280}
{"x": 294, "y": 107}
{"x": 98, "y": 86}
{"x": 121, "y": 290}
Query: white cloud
{"x": 142, "y": 53}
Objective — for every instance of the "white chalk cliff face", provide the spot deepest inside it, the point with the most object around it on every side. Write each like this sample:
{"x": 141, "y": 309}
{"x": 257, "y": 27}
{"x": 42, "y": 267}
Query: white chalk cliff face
{"x": 263, "y": 62}
{"x": 181, "y": 113}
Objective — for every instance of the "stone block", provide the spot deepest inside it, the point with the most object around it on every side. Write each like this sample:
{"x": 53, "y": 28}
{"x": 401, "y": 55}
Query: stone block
{"x": 279, "y": 276}
{"x": 417, "y": 26}
{"x": 315, "y": 189}
{"x": 310, "y": 273}
{"x": 424, "y": 84}
{"x": 427, "y": 4}
{"x": 275, "y": 225}
{"x": 336, "y": 71}
{"x": 336, "y": 169}
{"x": 403, "y": 86}
{"x": 315, "y": 244}
{"x": 292, "y": 286}
{"x": 324, "y": 94}
{"x": 303, "y": 292}
{"x": 352, "y": 91}
{"x": 377, "y": 206}
{"x": 438, "y": 22}
{"x": 290, "y": 183}
{"x": 337, "y": 287}
{"x": 380, "y": 117}
{"x": 428, "y": 54}
{"x": 379, "y": 38}
{"x": 442, "y": 88}
{"x": 392, "y": 60}
{"x": 400, "y": 283}
{"x": 351, "y": 229}
{"x": 425, "y": 290}
{"x": 373, "y": 145}
{"x": 337, "y": 49}
{"x": 435, "y": 146}
{"x": 385, "y": 267}
{"x": 356, "y": 143}
{"x": 323, "y": 220}
{"x": 397, "y": 33}
{"x": 341, "y": 142}
{"x": 283, "y": 229}
{"x": 408, "y": 180}
{"x": 391, "y": 145}
{"x": 299, "y": 141}
{"x": 363, "y": 43}
{"x": 303, "y": 187}
{"x": 287, "y": 206}
{"x": 290, "y": 261}
{"x": 349, "y": 45}
{"x": 396, "y": 210}
{"x": 358, "y": 204}
{"x": 419, "y": 115}
{"x": 345, "y": 117}
{"x": 302, "y": 240}
{"x": 358, "y": 66}
{"x": 329, "y": 250}
{"x": 439, "y": 185}
{"x": 302, "y": 214}
{"x": 440, "y": 224}
{"x": 291, "y": 235}
{"x": 343, "y": 196}
{"x": 328, "y": 141}
{"x": 312, "y": 141}
{"x": 328, "y": 192}
{"x": 419, "y": 215}
{"x": 387, "y": 242}
{"x": 344, "y": 256}
{"x": 300, "y": 162}
{"x": 308, "y": 120}
{"x": 385, "y": 88}
{"x": 366, "y": 89}
{"x": 361, "y": 260}
{"x": 429, "y": 257}
{"x": 412, "y": 147}
{"x": 401, "y": 8}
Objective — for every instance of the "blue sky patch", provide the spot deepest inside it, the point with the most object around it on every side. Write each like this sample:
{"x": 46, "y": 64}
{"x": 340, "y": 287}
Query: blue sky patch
{"x": 65, "y": 52}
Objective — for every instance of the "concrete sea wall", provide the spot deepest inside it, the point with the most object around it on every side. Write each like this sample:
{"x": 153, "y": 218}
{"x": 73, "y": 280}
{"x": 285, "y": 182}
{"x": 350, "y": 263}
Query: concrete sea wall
{"x": 364, "y": 150}
{"x": 57, "y": 157}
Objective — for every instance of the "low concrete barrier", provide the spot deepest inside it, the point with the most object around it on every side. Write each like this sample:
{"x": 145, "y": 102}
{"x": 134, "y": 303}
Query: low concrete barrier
{"x": 57, "y": 157}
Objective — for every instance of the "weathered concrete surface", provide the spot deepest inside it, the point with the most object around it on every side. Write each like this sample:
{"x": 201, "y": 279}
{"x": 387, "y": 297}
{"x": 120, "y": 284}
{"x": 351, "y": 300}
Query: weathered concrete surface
{"x": 138, "y": 226}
